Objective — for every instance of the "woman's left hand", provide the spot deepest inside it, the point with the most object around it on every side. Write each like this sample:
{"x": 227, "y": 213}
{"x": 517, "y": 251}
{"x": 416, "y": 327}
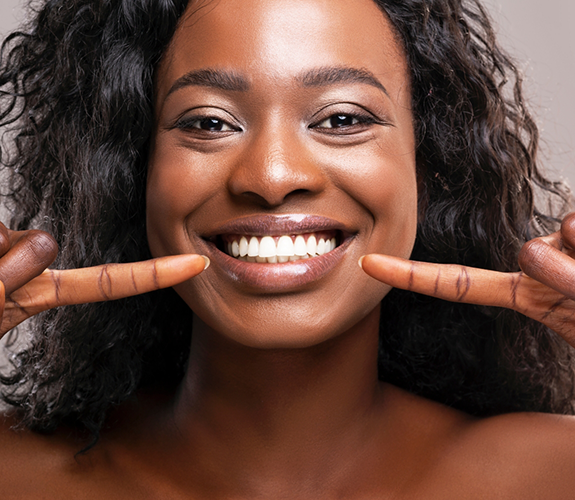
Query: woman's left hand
{"x": 544, "y": 290}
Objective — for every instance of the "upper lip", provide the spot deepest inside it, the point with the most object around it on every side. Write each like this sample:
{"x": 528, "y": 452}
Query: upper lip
{"x": 276, "y": 225}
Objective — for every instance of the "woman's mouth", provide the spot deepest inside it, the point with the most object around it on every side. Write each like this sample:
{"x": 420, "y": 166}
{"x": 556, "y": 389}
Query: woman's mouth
{"x": 277, "y": 253}
{"x": 280, "y": 248}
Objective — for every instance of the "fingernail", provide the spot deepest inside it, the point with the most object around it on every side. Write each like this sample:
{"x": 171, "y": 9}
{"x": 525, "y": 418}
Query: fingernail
{"x": 207, "y": 262}
{"x": 360, "y": 261}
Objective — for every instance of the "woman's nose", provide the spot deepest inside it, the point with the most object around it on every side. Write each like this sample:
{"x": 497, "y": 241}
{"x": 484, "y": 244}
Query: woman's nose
{"x": 274, "y": 168}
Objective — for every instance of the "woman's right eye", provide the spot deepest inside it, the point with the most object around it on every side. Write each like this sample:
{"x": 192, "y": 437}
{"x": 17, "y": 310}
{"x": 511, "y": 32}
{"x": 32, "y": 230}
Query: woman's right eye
{"x": 205, "y": 124}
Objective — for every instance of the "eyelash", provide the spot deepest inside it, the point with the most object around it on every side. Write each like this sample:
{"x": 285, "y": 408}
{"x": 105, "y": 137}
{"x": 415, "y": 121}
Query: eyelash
{"x": 359, "y": 122}
{"x": 187, "y": 123}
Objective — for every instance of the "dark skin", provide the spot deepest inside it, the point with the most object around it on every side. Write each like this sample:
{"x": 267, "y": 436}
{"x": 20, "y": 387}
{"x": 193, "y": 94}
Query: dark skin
{"x": 281, "y": 398}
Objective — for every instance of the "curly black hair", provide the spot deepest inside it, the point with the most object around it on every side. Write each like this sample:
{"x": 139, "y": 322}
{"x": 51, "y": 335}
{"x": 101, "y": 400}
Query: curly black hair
{"x": 76, "y": 104}
{"x": 477, "y": 158}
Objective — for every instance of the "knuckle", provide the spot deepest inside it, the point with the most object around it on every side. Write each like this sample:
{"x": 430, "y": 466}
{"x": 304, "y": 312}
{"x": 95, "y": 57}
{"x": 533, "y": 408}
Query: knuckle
{"x": 155, "y": 276}
{"x": 105, "y": 282}
{"x": 42, "y": 246}
{"x": 463, "y": 284}
{"x": 532, "y": 253}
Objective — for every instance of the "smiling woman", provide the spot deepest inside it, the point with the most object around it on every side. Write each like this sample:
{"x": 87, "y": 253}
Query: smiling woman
{"x": 275, "y": 166}
{"x": 283, "y": 141}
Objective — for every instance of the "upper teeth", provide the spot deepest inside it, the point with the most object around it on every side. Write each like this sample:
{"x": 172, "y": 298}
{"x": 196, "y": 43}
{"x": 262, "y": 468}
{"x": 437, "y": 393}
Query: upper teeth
{"x": 279, "y": 249}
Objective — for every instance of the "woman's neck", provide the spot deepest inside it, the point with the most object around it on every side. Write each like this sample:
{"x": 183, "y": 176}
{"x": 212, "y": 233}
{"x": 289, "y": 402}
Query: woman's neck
{"x": 280, "y": 412}
{"x": 305, "y": 423}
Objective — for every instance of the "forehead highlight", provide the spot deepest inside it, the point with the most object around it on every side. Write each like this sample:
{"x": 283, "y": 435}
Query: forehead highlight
{"x": 239, "y": 73}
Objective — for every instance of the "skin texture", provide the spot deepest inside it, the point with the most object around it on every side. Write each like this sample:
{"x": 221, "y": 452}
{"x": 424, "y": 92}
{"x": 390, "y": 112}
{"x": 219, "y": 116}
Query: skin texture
{"x": 543, "y": 290}
{"x": 281, "y": 398}
{"x": 28, "y": 288}
{"x": 278, "y": 161}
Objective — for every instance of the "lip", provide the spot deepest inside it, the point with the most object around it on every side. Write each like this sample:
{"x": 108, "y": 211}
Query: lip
{"x": 276, "y": 225}
{"x": 285, "y": 277}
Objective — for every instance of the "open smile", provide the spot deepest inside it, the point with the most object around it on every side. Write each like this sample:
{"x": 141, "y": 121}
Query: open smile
{"x": 279, "y": 249}
{"x": 277, "y": 253}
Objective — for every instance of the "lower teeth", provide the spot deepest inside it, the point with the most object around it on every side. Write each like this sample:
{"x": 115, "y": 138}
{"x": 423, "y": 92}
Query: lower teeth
{"x": 274, "y": 260}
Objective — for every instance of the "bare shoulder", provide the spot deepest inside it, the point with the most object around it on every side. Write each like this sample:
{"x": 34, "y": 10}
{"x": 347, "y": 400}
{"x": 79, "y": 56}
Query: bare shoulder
{"x": 520, "y": 455}
{"x": 513, "y": 456}
{"x": 31, "y": 462}
{"x": 35, "y": 465}
{"x": 531, "y": 442}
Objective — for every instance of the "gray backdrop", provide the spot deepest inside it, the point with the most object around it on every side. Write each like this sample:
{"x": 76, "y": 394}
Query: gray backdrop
{"x": 540, "y": 35}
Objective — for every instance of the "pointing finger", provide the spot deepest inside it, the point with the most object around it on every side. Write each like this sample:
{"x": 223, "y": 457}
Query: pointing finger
{"x": 445, "y": 281}
{"x": 518, "y": 291}
{"x": 107, "y": 282}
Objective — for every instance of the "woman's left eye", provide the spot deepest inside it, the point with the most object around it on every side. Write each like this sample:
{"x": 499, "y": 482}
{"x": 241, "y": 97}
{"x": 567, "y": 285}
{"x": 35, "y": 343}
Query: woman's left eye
{"x": 342, "y": 122}
{"x": 338, "y": 121}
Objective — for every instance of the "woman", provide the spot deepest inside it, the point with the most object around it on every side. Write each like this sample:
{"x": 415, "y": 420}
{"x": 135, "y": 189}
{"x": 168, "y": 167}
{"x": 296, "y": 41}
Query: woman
{"x": 256, "y": 133}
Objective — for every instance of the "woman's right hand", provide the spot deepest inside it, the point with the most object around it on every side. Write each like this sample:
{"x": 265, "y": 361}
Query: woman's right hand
{"x": 27, "y": 287}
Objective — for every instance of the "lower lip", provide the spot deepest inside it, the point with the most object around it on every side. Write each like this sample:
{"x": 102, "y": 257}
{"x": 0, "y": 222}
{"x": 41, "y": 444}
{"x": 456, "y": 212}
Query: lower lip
{"x": 285, "y": 277}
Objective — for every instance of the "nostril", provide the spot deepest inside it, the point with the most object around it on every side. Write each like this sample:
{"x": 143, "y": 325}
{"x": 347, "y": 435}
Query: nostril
{"x": 296, "y": 192}
{"x": 257, "y": 199}
{"x": 271, "y": 201}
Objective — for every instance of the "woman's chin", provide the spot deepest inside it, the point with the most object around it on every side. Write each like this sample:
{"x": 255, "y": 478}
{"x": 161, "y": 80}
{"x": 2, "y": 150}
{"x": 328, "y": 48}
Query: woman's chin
{"x": 294, "y": 329}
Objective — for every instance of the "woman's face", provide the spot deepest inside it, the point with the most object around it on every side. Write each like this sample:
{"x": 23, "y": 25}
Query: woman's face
{"x": 279, "y": 123}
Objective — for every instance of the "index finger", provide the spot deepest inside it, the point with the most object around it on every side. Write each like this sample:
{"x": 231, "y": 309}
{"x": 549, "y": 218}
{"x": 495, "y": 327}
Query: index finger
{"x": 451, "y": 282}
{"x": 107, "y": 282}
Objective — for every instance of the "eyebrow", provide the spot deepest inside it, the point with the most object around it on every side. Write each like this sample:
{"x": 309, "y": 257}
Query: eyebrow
{"x": 318, "y": 77}
{"x": 332, "y": 75}
{"x": 219, "y": 79}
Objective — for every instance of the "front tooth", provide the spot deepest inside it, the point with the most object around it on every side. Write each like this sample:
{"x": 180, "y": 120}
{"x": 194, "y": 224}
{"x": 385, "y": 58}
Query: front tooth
{"x": 282, "y": 258}
{"x": 261, "y": 260}
{"x": 300, "y": 247}
{"x": 285, "y": 247}
{"x": 235, "y": 249}
{"x": 327, "y": 246}
{"x": 243, "y": 246}
{"x": 311, "y": 245}
{"x": 251, "y": 259}
{"x": 267, "y": 247}
{"x": 253, "y": 247}
{"x": 272, "y": 260}
{"x": 321, "y": 246}
{"x": 333, "y": 243}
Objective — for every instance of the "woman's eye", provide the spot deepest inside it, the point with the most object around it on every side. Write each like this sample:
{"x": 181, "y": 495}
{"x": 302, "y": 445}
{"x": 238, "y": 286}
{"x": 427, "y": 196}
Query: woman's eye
{"x": 338, "y": 121}
{"x": 343, "y": 122}
{"x": 206, "y": 124}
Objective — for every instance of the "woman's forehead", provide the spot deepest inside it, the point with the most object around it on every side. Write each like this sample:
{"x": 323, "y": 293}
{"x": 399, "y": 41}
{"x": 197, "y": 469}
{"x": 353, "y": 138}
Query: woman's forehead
{"x": 283, "y": 39}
